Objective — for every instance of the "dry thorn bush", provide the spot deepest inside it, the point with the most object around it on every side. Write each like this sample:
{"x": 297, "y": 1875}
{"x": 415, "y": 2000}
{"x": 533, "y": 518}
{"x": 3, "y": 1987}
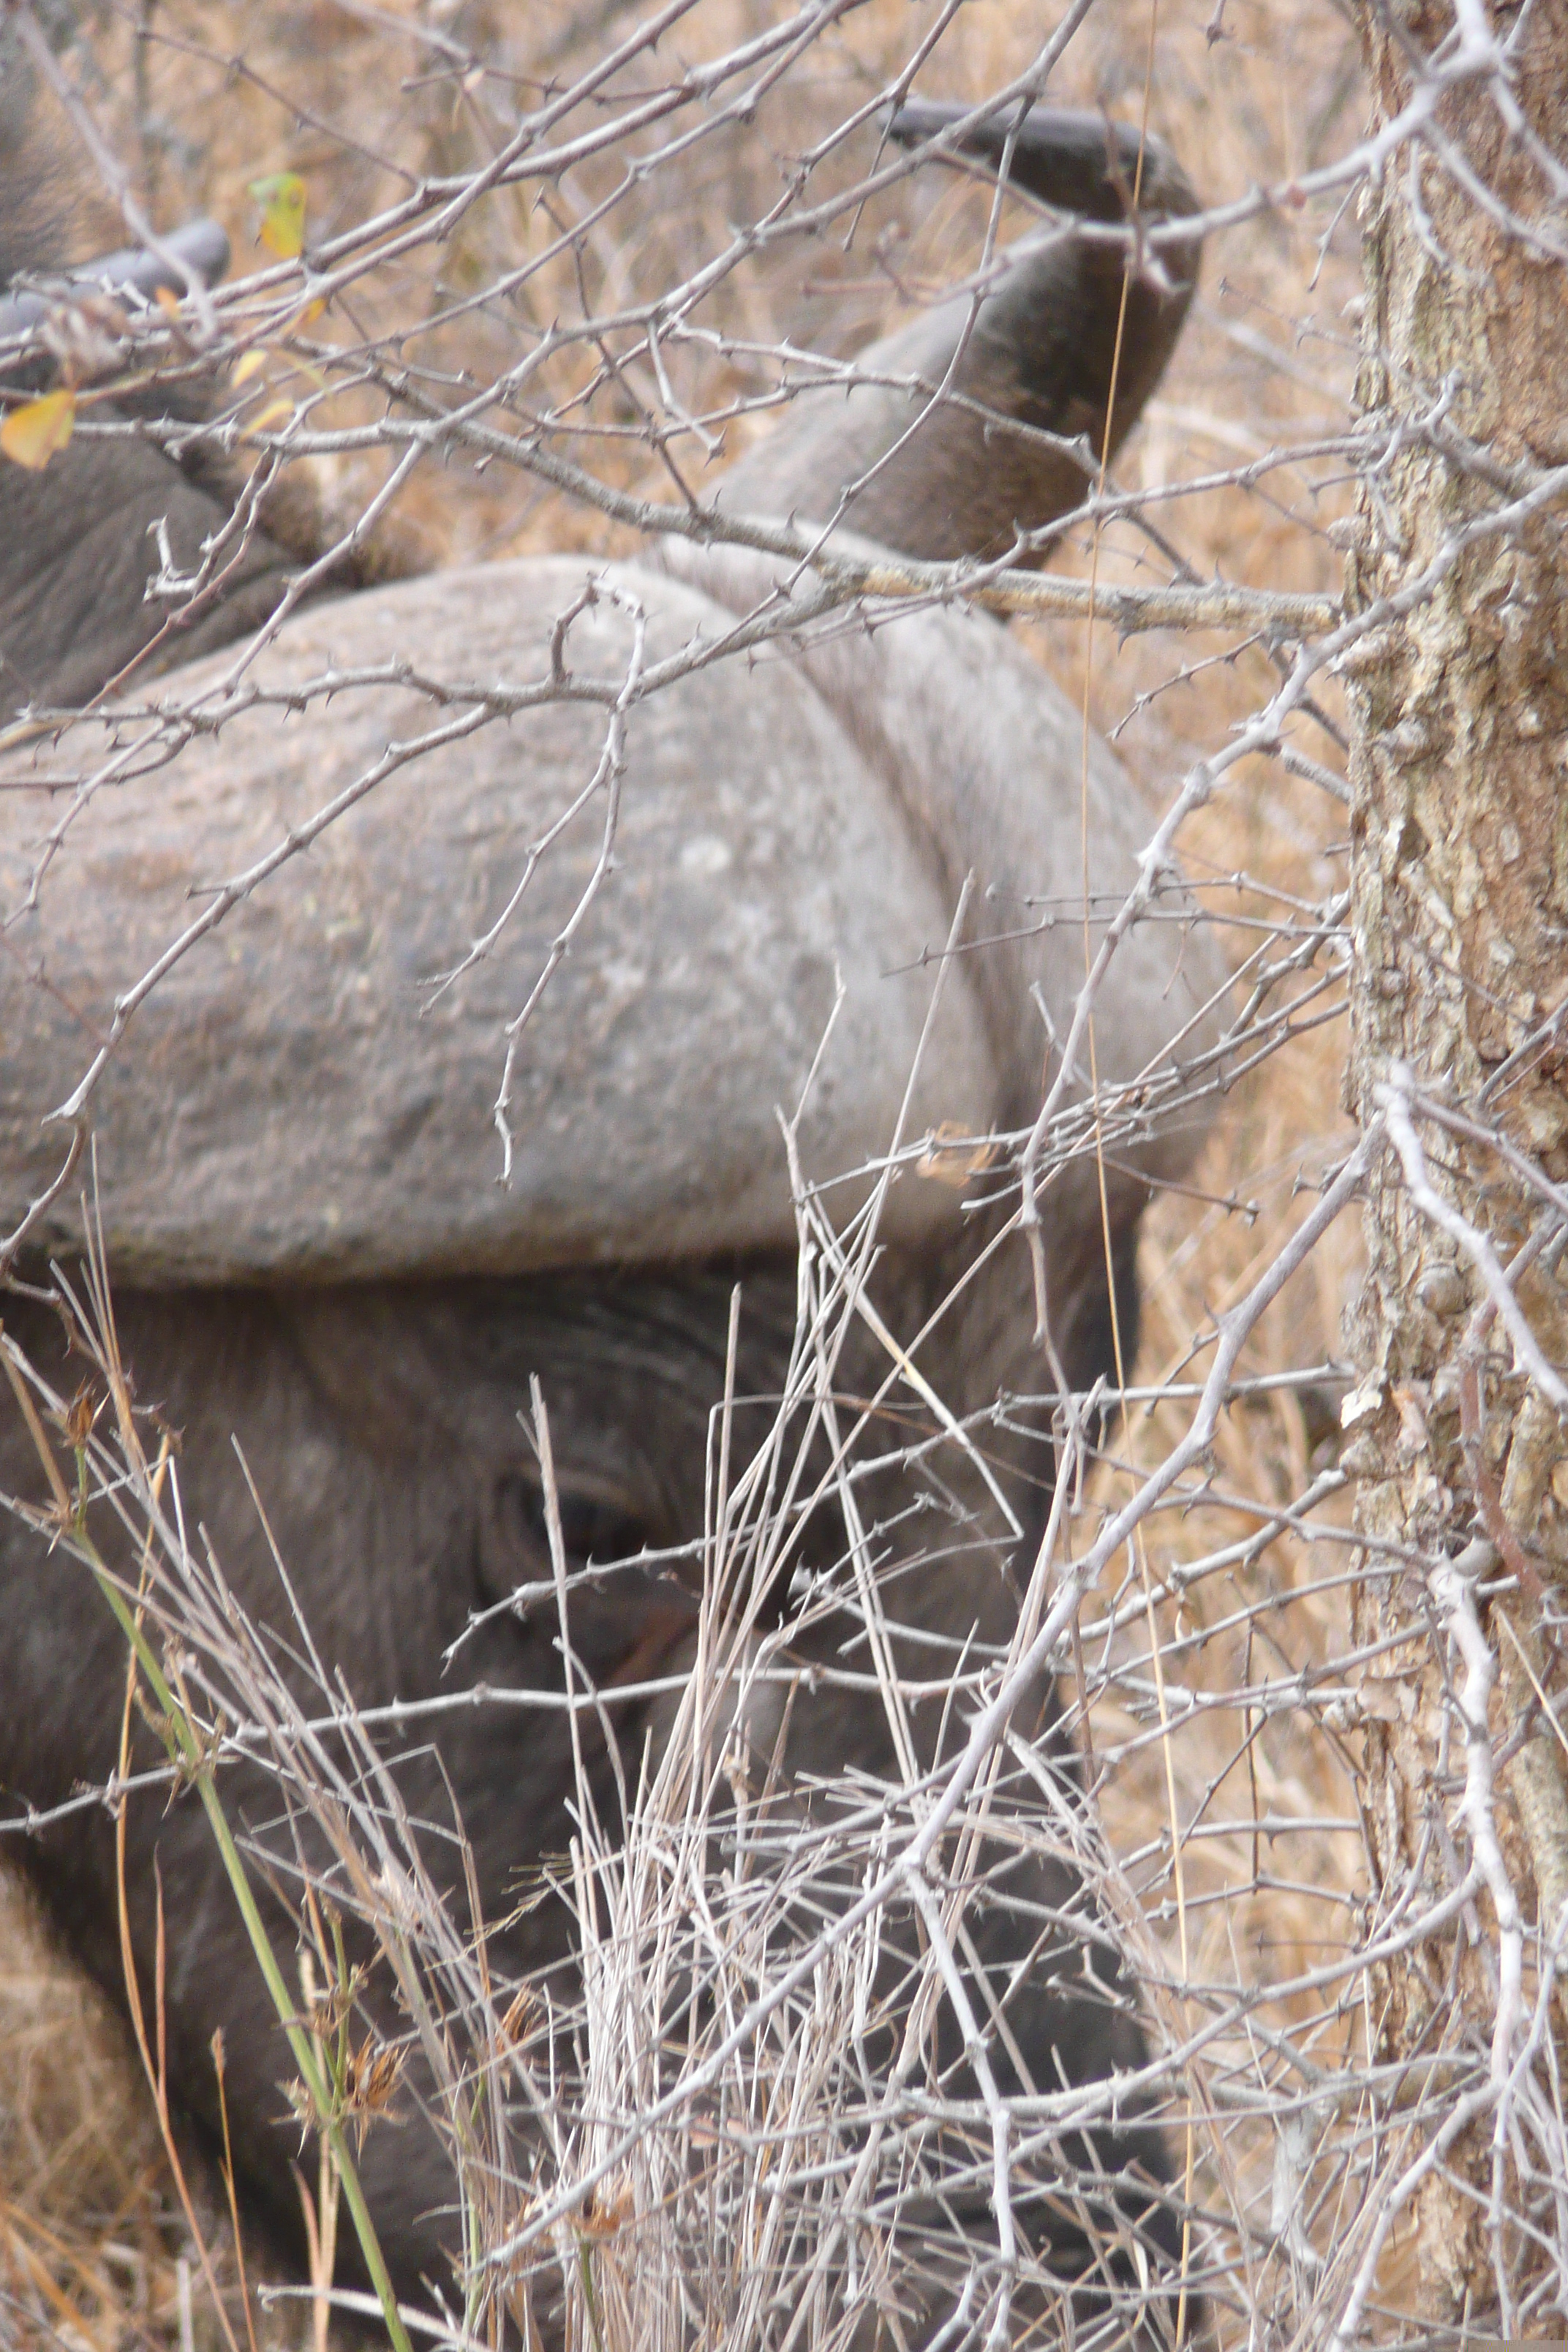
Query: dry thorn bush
{"x": 1230, "y": 1854}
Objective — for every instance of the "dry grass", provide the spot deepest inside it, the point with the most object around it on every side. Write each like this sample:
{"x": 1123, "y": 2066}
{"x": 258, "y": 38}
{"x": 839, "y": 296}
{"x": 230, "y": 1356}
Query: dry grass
{"x": 90, "y": 2243}
{"x": 95, "y": 2255}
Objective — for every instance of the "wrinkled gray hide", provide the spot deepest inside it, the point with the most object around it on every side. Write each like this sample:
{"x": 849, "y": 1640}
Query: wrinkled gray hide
{"x": 294, "y": 1099}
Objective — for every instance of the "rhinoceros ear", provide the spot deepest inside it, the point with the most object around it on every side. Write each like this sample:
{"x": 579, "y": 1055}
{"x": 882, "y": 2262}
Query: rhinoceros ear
{"x": 940, "y": 447}
{"x": 1068, "y": 158}
{"x": 201, "y": 246}
{"x": 294, "y": 1098}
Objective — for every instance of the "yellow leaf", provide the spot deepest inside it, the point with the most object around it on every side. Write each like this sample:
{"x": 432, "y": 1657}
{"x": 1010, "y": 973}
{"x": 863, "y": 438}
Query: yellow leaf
{"x": 247, "y": 364}
{"x": 282, "y": 200}
{"x": 31, "y": 435}
{"x": 277, "y": 412}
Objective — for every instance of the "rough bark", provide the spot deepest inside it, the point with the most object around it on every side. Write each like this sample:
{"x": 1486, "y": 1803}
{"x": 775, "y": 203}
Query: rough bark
{"x": 1460, "y": 873}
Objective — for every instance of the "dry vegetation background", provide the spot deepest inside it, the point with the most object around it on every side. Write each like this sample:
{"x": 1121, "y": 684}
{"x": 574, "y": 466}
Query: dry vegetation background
{"x": 1260, "y": 1883}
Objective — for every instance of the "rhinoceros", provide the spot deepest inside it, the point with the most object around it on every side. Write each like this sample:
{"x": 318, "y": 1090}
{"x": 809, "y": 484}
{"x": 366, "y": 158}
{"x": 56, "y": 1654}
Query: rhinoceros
{"x": 319, "y": 1282}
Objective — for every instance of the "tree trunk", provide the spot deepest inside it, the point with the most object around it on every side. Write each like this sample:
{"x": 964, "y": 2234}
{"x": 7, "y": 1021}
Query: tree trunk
{"x": 1460, "y": 899}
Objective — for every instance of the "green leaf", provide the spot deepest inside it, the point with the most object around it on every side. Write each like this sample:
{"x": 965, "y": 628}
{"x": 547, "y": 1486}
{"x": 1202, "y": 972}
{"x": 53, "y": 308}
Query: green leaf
{"x": 282, "y": 200}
